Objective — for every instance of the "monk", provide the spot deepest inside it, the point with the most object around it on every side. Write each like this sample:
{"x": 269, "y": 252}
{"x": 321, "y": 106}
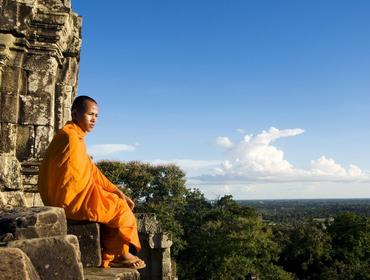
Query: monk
{"x": 68, "y": 178}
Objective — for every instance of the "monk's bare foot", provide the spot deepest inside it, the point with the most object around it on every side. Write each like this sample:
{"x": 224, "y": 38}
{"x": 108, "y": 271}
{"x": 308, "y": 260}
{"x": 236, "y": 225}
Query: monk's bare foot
{"x": 129, "y": 260}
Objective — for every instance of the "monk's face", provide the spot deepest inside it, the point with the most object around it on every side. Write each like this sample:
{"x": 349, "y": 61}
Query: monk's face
{"x": 87, "y": 119}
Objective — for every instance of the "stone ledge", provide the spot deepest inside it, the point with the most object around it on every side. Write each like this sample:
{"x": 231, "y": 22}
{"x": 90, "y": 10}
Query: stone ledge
{"x": 32, "y": 222}
{"x": 93, "y": 273}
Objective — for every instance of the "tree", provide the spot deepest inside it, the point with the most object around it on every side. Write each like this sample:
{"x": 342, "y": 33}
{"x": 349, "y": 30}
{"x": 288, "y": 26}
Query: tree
{"x": 305, "y": 248}
{"x": 228, "y": 242}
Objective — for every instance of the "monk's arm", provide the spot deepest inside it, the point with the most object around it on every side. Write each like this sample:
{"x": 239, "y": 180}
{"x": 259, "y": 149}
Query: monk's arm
{"x": 107, "y": 185}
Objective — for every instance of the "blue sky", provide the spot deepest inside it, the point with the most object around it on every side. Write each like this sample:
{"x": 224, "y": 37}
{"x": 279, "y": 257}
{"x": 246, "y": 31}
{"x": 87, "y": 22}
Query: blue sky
{"x": 258, "y": 99}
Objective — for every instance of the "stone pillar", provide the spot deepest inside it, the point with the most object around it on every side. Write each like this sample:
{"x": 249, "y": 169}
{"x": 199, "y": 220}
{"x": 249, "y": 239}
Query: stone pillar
{"x": 156, "y": 249}
{"x": 40, "y": 43}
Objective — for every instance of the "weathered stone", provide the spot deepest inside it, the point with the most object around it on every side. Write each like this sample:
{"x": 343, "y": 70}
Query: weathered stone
{"x": 55, "y": 5}
{"x": 44, "y": 135}
{"x": 88, "y": 234}
{"x": 63, "y": 104}
{"x": 33, "y": 222}
{"x": 25, "y": 142}
{"x": 16, "y": 16}
{"x": 9, "y": 107}
{"x": 56, "y": 257}
{"x": 68, "y": 73}
{"x": 93, "y": 273}
{"x": 8, "y": 138}
{"x": 160, "y": 240}
{"x": 148, "y": 223}
{"x": 40, "y": 64}
{"x": 30, "y": 171}
{"x": 40, "y": 43}
{"x": 36, "y": 110}
{"x": 155, "y": 248}
{"x": 12, "y": 199}
{"x": 14, "y": 80}
{"x": 10, "y": 170}
{"x": 16, "y": 265}
{"x": 41, "y": 83}
{"x": 33, "y": 199}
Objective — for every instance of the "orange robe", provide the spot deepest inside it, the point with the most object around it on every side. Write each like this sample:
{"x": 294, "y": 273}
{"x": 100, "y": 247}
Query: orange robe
{"x": 68, "y": 178}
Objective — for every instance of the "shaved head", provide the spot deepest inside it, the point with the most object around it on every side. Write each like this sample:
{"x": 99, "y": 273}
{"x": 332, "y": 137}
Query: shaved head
{"x": 78, "y": 105}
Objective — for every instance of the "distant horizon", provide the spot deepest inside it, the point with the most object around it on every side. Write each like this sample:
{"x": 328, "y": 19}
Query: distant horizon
{"x": 366, "y": 198}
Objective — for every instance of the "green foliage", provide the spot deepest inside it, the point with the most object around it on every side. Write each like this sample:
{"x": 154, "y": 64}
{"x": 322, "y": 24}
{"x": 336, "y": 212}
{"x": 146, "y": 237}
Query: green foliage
{"x": 350, "y": 235}
{"x": 305, "y": 248}
{"x": 227, "y": 242}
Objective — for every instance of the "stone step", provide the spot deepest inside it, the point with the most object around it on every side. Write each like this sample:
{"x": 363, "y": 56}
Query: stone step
{"x": 88, "y": 234}
{"x": 56, "y": 257}
{"x": 33, "y": 222}
{"x": 15, "y": 264}
{"x": 93, "y": 273}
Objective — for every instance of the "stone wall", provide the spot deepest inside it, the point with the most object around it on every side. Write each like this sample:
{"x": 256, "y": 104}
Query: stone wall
{"x": 40, "y": 43}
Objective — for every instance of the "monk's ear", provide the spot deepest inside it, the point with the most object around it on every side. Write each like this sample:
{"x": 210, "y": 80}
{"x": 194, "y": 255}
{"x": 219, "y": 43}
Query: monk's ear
{"x": 74, "y": 114}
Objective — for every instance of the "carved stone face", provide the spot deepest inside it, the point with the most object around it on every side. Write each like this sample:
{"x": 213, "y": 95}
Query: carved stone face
{"x": 87, "y": 119}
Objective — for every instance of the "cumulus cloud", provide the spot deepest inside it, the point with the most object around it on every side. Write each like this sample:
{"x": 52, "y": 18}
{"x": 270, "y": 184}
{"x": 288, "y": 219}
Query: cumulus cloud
{"x": 256, "y": 159}
{"x": 109, "y": 149}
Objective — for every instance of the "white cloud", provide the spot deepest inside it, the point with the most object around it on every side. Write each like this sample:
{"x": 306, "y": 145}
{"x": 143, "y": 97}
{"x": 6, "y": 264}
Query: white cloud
{"x": 240, "y": 130}
{"x": 224, "y": 142}
{"x": 327, "y": 167}
{"x": 256, "y": 159}
{"x": 109, "y": 149}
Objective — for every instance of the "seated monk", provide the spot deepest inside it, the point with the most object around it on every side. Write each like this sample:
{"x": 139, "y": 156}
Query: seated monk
{"x": 68, "y": 178}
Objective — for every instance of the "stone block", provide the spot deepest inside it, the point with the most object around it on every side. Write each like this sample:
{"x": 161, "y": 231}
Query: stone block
{"x": 8, "y": 138}
{"x": 38, "y": 64}
{"x": 43, "y": 136}
{"x": 12, "y": 199}
{"x": 15, "y": 265}
{"x": 33, "y": 199}
{"x": 54, "y": 5}
{"x": 10, "y": 172}
{"x": 93, "y": 273}
{"x": 56, "y": 257}
{"x": 160, "y": 240}
{"x": 88, "y": 234}
{"x": 33, "y": 222}
{"x": 30, "y": 171}
{"x": 68, "y": 72}
{"x": 36, "y": 110}
{"x": 148, "y": 223}
{"x": 14, "y": 80}
{"x": 25, "y": 142}
{"x": 15, "y": 16}
{"x": 9, "y": 107}
{"x": 41, "y": 83}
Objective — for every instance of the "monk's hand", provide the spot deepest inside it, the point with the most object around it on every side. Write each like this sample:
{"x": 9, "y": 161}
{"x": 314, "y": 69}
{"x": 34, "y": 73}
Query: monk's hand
{"x": 129, "y": 201}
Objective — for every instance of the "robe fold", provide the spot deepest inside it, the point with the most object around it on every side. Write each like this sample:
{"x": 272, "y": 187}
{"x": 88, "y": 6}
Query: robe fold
{"x": 68, "y": 178}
